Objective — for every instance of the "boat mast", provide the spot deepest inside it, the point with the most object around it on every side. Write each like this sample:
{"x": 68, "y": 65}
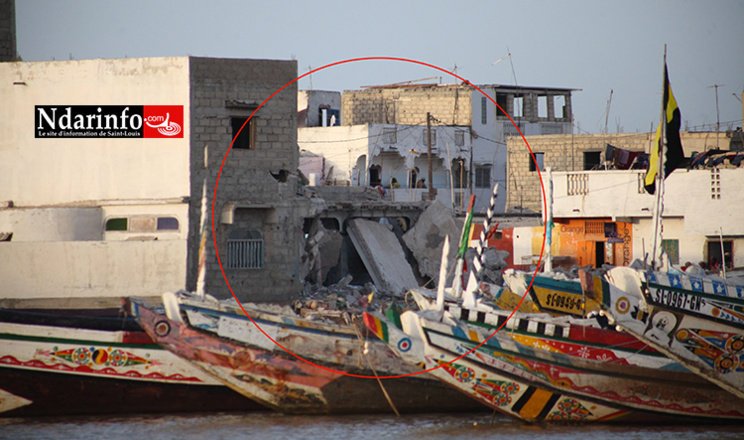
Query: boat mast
{"x": 659, "y": 204}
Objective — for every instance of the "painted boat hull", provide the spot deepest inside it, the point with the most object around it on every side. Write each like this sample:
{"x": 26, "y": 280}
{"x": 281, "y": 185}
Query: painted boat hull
{"x": 665, "y": 393}
{"x": 498, "y": 387}
{"x": 287, "y": 384}
{"x": 60, "y": 370}
{"x": 705, "y": 345}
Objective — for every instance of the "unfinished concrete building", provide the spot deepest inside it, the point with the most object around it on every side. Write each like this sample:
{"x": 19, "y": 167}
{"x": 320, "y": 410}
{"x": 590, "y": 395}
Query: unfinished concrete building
{"x": 535, "y": 110}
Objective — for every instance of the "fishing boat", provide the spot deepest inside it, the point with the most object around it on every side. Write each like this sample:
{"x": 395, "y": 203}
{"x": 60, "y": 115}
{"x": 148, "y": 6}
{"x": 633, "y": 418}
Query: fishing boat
{"x": 56, "y": 364}
{"x": 590, "y": 358}
{"x": 307, "y": 367}
{"x": 494, "y": 383}
{"x": 698, "y": 322}
{"x": 542, "y": 354}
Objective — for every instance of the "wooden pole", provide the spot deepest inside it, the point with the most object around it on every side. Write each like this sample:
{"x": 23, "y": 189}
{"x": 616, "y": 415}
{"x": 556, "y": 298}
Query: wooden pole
{"x": 428, "y": 150}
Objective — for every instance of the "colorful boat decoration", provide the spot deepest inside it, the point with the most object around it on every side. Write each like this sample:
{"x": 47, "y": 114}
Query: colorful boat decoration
{"x": 99, "y": 372}
{"x": 611, "y": 365}
{"x": 550, "y": 293}
{"x": 288, "y": 384}
{"x": 521, "y": 351}
{"x": 339, "y": 339}
{"x": 496, "y": 384}
{"x": 697, "y": 329}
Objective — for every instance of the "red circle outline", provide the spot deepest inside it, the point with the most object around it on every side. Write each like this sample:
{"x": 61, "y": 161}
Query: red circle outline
{"x": 337, "y": 63}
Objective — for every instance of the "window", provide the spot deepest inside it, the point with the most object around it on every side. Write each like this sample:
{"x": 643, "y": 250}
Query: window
{"x": 484, "y": 110}
{"x": 538, "y": 162}
{"x": 142, "y": 224}
{"x": 389, "y": 136}
{"x": 559, "y": 107}
{"x": 375, "y": 175}
{"x": 459, "y": 138}
{"x": 542, "y": 106}
{"x": 245, "y": 249}
{"x": 329, "y": 117}
{"x": 518, "y": 106}
{"x": 167, "y": 224}
{"x": 433, "y": 137}
{"x": 501, "y": 100}
{"x": 117, "y": 224}
{"x": 483, "y": 176}
{"x": 246, "y": 139}
{"x": 592, "y": 160}
{"x": 715, "y": 256}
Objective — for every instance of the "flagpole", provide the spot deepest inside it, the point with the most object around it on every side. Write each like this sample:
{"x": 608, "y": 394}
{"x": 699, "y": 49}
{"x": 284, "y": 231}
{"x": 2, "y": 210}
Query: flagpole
{"x": 659, "y": 205}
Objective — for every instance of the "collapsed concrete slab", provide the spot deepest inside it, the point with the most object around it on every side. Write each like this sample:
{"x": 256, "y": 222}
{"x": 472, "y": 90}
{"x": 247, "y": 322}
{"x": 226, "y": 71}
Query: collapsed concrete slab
{"x": 383, "y": 256}
{"x": 425, "y": 239}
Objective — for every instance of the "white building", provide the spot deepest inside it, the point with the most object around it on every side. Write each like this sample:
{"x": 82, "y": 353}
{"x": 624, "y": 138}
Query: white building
{"x": 90, "y": 208}
{"x": 702, "y": 207}
{"x": 379, "y": 154}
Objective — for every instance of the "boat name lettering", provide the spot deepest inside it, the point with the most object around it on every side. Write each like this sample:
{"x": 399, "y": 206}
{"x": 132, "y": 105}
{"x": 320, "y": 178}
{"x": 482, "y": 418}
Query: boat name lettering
{"x": 678, "y": 300}
{"x": 563, "y": 301}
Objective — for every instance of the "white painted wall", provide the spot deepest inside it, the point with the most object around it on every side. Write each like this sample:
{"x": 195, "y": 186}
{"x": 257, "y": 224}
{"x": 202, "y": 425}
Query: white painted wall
{"x": 38, "y": 172}
{"x": 69, "y": 269}
{"x": 52, "y": 224}
{"x": 341, "y": 146}
{"x": 687, "y": 194}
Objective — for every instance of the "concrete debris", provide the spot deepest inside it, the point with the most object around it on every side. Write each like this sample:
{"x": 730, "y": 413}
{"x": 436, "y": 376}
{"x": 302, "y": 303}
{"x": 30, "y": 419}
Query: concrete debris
{"x": 426, "y": 237}
{"x": 323, "y": 250}
{"x": 383, "y": 256}
{"x": 494, "y": 262}
{"x": 332, "y": 302}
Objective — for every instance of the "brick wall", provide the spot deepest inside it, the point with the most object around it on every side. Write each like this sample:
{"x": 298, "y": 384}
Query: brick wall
{"x": 566, "y": 153}
{"x": 7, "y": 31}
{"x": 449, "y": 104}
{"x": 225, "y": 88}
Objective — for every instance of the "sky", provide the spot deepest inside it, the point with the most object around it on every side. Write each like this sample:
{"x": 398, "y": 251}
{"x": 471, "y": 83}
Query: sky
{"x": 605, "y": 49}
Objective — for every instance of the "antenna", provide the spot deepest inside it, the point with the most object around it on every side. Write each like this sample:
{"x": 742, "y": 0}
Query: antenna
{"x": 718, "y": 118}
{"x": 508, "y": 55}
{"x": 607, "y": 112}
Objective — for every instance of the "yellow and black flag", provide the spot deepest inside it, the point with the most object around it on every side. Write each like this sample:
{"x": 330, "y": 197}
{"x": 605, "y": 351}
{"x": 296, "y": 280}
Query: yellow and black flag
{"x": 674, "y": 154}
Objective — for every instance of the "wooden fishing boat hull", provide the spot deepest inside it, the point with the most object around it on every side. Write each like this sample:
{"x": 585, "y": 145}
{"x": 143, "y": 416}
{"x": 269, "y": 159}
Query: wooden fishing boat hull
{"x": 706, "y": 346}
{"x": 343, "y": 343}
{"x": 666, "y": 393}
{"x": 288, "y": 384}
{"x": 499, "y": 387}
{"x": 62, "y": 370}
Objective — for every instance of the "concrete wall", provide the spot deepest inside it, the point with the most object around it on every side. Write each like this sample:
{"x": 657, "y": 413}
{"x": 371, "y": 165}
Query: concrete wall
{"x": 566, "y": 153}
{"x": 342, "y": 147}
{"x": 54, "y": 171}
{"x": 225, "y": 88}
{"x": 70, "y": 269}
